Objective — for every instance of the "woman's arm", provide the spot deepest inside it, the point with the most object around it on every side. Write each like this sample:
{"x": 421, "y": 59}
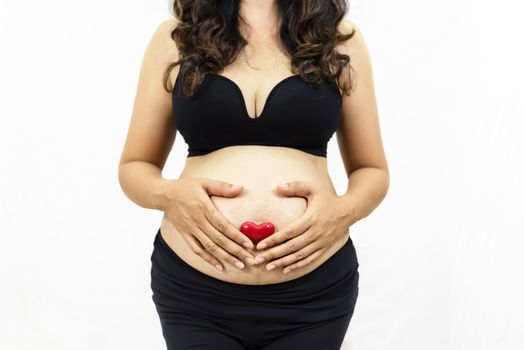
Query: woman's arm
{"x": 359, "y": 137}
{"x": 151, "y": 132}
{"x": 150, "y": 138}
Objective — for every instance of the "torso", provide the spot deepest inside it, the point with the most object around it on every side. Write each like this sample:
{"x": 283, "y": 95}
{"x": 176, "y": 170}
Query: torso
{"x": 259, "y": 169}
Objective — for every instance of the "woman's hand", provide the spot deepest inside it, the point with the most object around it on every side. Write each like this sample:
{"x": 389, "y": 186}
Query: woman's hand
{"x": 325, "y": 220}
{"x": 209, "y": 234}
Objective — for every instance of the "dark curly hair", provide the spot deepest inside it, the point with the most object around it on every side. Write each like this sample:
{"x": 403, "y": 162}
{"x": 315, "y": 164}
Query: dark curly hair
{"x": 208, "y": 39}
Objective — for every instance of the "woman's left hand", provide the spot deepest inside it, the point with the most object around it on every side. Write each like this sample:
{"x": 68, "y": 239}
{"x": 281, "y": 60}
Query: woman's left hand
{"x": 327, "y": 217}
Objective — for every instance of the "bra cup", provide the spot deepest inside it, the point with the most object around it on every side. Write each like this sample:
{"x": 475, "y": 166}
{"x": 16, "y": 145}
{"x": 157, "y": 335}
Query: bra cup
{"x": 298, "y": 115}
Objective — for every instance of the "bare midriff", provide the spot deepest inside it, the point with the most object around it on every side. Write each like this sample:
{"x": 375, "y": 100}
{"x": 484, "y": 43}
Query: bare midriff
{"x": 259, "y": 169}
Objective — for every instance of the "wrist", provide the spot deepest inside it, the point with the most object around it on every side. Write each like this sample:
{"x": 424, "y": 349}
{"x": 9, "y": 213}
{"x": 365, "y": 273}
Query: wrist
{"x": 160, "y": 199}
{"x": 350, "y": 208}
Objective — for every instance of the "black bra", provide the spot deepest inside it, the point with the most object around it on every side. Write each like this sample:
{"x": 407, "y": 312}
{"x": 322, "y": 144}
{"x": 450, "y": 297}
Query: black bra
{"x": 296, "y": 114}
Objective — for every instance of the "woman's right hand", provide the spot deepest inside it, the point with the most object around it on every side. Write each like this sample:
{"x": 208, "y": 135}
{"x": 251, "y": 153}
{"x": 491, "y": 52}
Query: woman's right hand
{"x": 207, "y": 232}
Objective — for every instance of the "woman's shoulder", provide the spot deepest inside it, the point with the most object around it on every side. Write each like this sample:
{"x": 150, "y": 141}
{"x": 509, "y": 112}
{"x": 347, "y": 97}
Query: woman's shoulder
{"x": 356, "y": 46}
{"x": 161, "y": 38}
{"x": 161, "y": 49}
{"x": 346, "y": 27}
{"x": 161, "y": 44}
{"x": 168, "y": 24}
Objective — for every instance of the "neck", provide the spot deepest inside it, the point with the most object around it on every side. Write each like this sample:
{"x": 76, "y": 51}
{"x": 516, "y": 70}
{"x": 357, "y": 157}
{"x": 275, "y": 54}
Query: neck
{"x": 259, "y": 13}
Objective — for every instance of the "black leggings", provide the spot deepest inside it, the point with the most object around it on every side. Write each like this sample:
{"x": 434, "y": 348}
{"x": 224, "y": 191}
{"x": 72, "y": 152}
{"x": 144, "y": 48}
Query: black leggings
{"x": 198, "y": 311}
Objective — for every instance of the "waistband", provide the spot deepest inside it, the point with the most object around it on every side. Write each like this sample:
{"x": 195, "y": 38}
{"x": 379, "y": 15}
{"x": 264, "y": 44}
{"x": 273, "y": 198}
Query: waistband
{"x": 342, "y": 265}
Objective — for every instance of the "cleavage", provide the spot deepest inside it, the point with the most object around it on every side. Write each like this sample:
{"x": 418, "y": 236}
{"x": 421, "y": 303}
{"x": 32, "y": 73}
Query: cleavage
{"x": 269, "y": 95}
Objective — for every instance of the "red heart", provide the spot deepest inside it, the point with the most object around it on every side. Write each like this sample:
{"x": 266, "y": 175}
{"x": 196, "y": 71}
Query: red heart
{"x": 257, "y": 232}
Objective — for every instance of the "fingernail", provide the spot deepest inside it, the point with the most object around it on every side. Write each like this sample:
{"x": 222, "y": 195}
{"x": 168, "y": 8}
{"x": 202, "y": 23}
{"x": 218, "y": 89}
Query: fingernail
{"x": 270, "y": 267}
{"x": 247, "y": 244}
{"x": 250, "y": 261}
{"x": 234, "y": 187}
{"x": 239, "y": 264}
{"x": 262, "y": 245}
{"x": 219, "y": 267}
{"x": 287, "y": 270}
{"x": 283, "y": 185}
{"x": 259, "y": 259}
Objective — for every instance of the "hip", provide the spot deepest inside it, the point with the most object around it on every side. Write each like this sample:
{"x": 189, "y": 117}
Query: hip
{"x": 329, "y": 291}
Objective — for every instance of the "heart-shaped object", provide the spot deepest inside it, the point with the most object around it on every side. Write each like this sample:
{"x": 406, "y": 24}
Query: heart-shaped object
{"x": 257, "y": 232}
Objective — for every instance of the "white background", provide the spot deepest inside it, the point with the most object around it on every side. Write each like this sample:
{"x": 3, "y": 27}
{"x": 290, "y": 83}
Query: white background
{"x": 441, "y": 263}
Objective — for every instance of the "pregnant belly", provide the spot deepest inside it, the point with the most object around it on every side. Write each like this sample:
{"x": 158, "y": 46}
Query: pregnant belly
{"x": 259, "y": 169}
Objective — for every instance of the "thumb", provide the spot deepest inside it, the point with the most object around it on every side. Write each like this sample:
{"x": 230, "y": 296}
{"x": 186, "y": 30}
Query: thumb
{"x": 221, "y": 188}
{"x": 295, "y": 188}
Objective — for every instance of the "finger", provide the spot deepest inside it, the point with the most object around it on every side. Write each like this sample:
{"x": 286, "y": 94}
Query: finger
{"x": 294, "y": 229}
{"x": 296, "y": 188}
{"x": 215, "y": 250}
{"x": 292, "y": 257}
{"x": 303, "y": 262}
{"x": 218, "y": 251}
{"x": 285, "y": 249}
{"x": 231, "y": 251}
{"x": 224, "y": 226}
{"x": 221, "y": 188}
{"x": 199, "y": 250}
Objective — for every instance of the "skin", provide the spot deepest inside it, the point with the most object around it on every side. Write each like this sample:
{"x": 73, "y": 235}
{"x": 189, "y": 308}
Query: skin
{"x": 151, "y": 136}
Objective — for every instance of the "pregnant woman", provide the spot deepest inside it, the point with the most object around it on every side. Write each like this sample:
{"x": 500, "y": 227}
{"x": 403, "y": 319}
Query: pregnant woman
{"x": 256, "y": 88}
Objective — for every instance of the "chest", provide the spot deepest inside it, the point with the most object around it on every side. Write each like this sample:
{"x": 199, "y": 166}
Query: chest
{"x": 295, "y": 113}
